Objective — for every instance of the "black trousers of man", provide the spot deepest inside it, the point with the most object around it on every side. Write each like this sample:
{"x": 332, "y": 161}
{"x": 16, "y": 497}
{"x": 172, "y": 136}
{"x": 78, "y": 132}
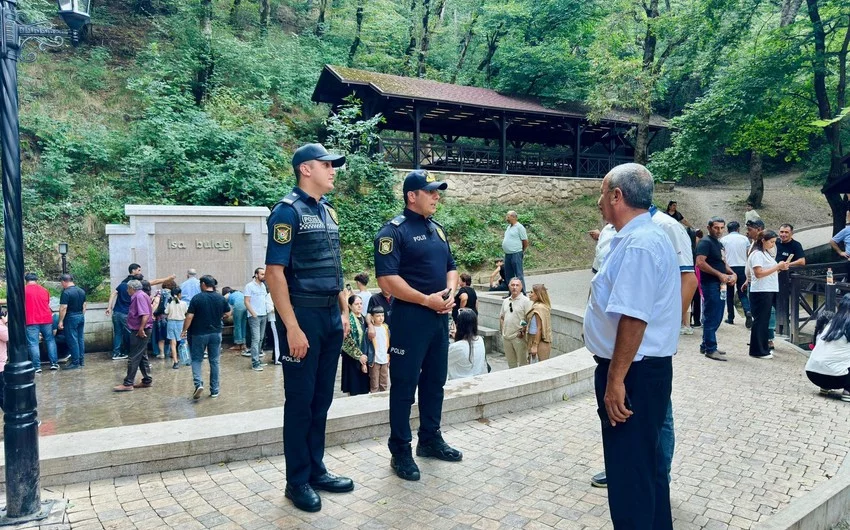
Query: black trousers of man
{"x": 419, "y": 357}
{"x": 741, "y": 274}
{"x": 638, "y": 491}
{"x": 137, "y": 350}
{"x": 308, "y": 386}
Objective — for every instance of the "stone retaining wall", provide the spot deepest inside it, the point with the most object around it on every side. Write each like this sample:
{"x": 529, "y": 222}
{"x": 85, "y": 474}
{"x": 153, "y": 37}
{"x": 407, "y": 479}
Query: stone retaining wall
{"x": 511, "y": 190}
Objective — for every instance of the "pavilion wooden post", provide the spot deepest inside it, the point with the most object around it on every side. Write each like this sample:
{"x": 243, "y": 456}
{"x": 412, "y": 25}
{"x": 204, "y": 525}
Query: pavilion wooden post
{"x": 416, "y": 116}
{"x": 577, "y": 148}
{"x": 503, "y": 125}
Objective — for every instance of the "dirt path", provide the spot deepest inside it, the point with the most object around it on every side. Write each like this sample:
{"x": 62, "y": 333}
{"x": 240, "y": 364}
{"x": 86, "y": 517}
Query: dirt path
{"x": 784, "y": 202}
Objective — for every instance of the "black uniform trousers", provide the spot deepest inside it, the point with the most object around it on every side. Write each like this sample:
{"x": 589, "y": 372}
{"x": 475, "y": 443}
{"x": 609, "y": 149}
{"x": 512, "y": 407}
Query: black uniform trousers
{"x": 308, "y": 387}
{"x": 419, "y": 350}
{"x": 638, "y": 491}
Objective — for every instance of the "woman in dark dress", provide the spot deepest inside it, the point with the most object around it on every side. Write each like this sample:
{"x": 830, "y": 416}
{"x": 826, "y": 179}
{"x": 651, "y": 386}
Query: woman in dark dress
{"x": 355, "y": 376}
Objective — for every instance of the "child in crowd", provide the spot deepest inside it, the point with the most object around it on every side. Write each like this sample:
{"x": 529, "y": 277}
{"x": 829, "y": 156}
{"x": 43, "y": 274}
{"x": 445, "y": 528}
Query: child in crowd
{"x": 175, "y": 312}
{"x": 379, "y": 370}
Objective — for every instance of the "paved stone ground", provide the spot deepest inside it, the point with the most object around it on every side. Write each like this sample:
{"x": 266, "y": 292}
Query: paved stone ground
{"x": 751, "y": 435}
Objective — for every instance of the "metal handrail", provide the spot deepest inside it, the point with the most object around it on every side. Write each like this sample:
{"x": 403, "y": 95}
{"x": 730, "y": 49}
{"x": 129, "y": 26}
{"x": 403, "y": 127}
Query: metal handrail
{"x": 823, "y": 295}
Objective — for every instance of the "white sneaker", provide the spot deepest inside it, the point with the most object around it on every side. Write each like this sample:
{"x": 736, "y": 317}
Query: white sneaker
{"x": 768, "y": 356}
{"x": 686, "y": 330}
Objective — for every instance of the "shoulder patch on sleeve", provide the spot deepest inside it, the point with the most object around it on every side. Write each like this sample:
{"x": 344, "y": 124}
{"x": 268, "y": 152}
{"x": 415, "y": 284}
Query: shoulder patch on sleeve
{"x": 282, "y": 233}
{"x": 397, "y": 221}
{"x": 385, "y": 245}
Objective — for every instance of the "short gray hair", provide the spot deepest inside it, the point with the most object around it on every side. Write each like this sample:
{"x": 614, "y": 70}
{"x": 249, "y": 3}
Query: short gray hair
{"x": 135, "y": 285}
{"x": 635, "y": 182}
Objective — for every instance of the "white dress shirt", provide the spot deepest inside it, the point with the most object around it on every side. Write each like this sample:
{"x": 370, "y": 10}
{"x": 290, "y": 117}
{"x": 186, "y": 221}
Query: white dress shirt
{"x": 640, "y": 279}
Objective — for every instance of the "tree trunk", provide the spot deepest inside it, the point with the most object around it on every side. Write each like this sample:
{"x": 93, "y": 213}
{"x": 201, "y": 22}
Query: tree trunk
{"x": 411, "y": 45}
{"x": 650, "y": 41}
{"x": 427, "y": 30}
{"x": 756, "y": 181}
{"x": 832, "y": 132}
{"x": 492, "y": 46}
{"x": 424, "y": 41}
{"x": 201, "y": 86}
{"x": 359, "y": 25}
{"x": 234, "y": 12}
{"x": 464, "y": 45}
{"x": 324, "y": 5}
{"x": 265, "y": 9}
{"x": 789, "y": 12}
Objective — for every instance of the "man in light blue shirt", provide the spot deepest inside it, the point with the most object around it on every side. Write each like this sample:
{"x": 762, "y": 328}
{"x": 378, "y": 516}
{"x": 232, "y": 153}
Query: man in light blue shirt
{"x": 631, "y": 325}
{"x": 191, "y": 286}
{"x": 514, "y": 244}
{"x": 842, "y": 237}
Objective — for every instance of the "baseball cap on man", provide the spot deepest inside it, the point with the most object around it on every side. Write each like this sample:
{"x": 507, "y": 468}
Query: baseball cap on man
{"x": 308, "y": 152}
{"x": 422, "y": 180}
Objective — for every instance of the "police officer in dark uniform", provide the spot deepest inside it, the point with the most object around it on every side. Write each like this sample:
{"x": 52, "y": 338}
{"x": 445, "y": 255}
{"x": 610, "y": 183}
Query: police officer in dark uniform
{"x": 414, "y": 263}
{"x": 304, "y": 276}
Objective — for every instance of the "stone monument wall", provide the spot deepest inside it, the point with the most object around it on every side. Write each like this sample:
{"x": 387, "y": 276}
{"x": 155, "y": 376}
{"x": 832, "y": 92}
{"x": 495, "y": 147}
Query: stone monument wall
{"x": 228, "y": 242}
{"x": 484, "y": 188}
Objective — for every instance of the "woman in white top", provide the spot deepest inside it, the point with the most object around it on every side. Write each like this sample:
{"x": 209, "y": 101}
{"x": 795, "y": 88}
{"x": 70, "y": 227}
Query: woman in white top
{"x": 829, "y": 363}
{"x": 175, "y": 312}
{"x": 466, "y": 354}
{"x": 764, "y": 284}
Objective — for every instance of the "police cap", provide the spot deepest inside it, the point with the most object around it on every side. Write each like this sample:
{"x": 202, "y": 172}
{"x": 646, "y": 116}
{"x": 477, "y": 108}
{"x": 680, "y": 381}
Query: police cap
{"x": 422, "y": 180}
{"x": 309, "y": 152}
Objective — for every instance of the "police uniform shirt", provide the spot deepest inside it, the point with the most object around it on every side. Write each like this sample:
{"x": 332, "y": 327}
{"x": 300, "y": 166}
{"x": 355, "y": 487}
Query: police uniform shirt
{"x": 284, "y": 226}
{"x": 415, "y": 248}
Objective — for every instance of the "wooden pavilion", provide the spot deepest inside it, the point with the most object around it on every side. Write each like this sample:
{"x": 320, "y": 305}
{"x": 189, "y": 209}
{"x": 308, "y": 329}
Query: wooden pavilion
{"x": 529, "y": 138}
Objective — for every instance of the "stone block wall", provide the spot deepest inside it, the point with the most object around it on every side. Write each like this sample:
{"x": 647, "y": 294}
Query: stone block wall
{"x": 512, "y": 189}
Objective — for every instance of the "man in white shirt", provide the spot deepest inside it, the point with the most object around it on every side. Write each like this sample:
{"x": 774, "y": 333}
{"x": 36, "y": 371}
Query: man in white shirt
{"x": 633, "y": 331}
{"x": 255, "y": 303}
{"x": 685, "y": 258}
{"x": 736, "y": 246}
{"x": 512, "y": 323}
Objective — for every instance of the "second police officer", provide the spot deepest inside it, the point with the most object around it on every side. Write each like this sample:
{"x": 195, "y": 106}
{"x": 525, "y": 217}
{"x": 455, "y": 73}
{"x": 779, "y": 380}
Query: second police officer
{"x": 413, "y": 262}
{"x": 304, "y": 276}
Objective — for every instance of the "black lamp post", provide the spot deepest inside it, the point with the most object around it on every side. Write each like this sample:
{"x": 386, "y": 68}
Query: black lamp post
{"x": 63, "y": 251}
{"x": 20, "y": 428}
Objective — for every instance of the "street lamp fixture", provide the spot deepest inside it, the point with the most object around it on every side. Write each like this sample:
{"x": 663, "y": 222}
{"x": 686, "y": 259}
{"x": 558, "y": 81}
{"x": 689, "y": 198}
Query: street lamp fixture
{"x": 63, "y": 251}
{"x": 20, "y": 422}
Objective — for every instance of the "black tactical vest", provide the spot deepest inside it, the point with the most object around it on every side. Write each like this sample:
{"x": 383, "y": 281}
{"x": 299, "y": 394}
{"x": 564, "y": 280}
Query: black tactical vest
{"x": 315, "y": 266}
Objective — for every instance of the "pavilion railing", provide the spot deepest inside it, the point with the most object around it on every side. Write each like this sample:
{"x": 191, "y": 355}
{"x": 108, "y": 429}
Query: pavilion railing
{"x": 809, "y": 294}
{"x": 464, "y": 157}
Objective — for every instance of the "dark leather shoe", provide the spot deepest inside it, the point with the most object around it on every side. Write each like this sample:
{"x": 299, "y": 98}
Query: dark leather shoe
{"x": 404, "y": 465}
{"x": 438, "y": 448}
{"x": 332, "y": 483}
{"x": 303, "y": 497}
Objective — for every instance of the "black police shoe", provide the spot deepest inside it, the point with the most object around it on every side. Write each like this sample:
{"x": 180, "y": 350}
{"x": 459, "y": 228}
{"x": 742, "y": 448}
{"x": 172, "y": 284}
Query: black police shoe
{"x": 332, "y": 483}
{"x": 404, "y": 465}
{"x": 438, "y": 448}
{"x": 303, "y": 497}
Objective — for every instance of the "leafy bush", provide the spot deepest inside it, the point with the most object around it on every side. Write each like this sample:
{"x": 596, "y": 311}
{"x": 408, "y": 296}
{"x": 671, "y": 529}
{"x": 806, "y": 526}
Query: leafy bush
{"x": 89, "y": 269}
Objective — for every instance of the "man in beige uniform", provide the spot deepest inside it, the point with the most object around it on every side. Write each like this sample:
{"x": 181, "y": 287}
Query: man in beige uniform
{"x": 511, "y": 322}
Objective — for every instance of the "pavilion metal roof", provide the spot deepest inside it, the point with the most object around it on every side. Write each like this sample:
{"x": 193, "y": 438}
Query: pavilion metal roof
{"x": 436, "y": 92}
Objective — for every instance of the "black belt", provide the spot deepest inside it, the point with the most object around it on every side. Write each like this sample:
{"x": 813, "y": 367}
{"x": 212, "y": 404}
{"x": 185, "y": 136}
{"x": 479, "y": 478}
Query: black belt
{"x": 311, "y": 300}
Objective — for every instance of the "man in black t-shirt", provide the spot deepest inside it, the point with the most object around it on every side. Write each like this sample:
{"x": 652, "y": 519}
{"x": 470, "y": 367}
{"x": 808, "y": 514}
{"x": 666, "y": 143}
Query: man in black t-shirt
{"x": 713, "y": 273}
{"x": 385, "y": 300}
{"x": 786, "y": 247}
{"x": 203, "y": 329}
{"x": 72, "y": 308}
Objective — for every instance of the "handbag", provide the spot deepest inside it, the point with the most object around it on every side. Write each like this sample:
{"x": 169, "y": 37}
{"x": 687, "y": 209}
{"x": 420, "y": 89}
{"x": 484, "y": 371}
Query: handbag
{"x": 183, "y": 353}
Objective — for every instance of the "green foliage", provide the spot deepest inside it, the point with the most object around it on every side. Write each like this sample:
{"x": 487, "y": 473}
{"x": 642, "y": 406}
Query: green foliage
{"x": 89, "y": 270}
